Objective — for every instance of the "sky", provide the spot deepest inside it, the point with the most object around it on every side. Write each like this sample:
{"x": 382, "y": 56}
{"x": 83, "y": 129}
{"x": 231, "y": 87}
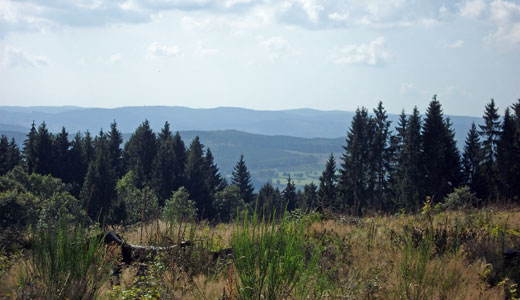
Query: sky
{"x": 269, "y": 55}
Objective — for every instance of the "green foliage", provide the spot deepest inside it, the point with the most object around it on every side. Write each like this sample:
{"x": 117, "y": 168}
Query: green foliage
{"x": 139, "y": 205}
{"x": 67, "y": 263}
{"x": 460, "y": 198}
{"x": 179, "y": 208}
{"x": 228, "y": 203}
{"x": 145, "y": 287}
{"x": 242, "y": 178}
{"x": 328, "y": 184}
{"x": 273, "y": 261}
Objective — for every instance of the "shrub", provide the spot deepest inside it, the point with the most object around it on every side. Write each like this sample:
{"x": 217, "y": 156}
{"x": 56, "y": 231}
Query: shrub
{"x": 179, "y": 207}
{"x": 460, "y": 198}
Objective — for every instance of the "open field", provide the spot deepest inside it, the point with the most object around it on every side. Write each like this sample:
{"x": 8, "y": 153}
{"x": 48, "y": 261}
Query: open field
{"x": 471, "y": 254}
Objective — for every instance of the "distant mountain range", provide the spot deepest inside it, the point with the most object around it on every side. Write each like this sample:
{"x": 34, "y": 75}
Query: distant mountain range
{"x": 274, "y": 143}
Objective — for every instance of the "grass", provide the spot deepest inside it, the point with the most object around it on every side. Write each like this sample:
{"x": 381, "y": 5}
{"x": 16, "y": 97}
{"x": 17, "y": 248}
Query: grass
{"x": 446, "y": 255}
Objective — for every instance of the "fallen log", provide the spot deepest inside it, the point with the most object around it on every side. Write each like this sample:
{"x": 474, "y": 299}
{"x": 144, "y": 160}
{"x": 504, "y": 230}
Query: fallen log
{"x": 131, "y": 252}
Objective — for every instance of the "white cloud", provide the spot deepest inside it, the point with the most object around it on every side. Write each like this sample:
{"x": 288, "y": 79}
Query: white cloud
{"x": 472, "y": 8}
{"x": 454, "y": 45}
{"x": 506, "y": 15}
{"x": 14, "y": 57}
{"x": 155, "y": 51}
{"x": 202, "y": 50}
{"x": 312, "y": 9}
{"x": 115, "y": 58}
{"x": 371, "y": 54}
{"x": 339, "y": 17}
{"x": 278, "y": 47}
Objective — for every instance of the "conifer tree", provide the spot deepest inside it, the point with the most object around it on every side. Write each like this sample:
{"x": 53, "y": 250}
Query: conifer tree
{"x": 14, "y": 158}
{"x": 472, "y": 162}
{"x": 269, "y": 201}
{"x": 140, "y": 152}
{"x": 88, "y": 149}
{"x": 196, "y": 181}
{"x": 61, "y": 160}
{"x": 164, "y": 166}
{"x": 441, "y": 167}
{"x": 43, "y": 150}
{"x": 289, "y": 195}
{"x": 506, "y": 157}
{"x": 4, "y": 149}
{"x": 99, "y": 189}
{"x": 381, "y": 155}
{"x": 309, "y": 197}
{"x": 356, "y": 182}
{"x": 328, "y": 185}
{"x": 78, "y": 165}
{"x": 242, "y": 179}
{"x": 410, "y": 165}
{"x": 115, "y": 139}
{"x": 29, "y": 150}
{"x": 214, "y": 180}
{"x": 179, "y": 150}
{"x": 490, "y": 134}
{"x": 515, "y": 167}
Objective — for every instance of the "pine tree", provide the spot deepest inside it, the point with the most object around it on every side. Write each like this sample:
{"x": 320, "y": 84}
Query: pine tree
{"x": 140, "y": 152}
{"x": 381, "y": 154}
{"x": 490, "y": 133}
{"x": 328, "y": 185}
{"x": 289, "y": 195}
{"x": 4, "y": 149}
{"x": 472, "y": 162}
{"x": 167, "y": 174}
{"x": 99, "y": 189}
{"x": 43, "y": 150}
{"x": 78, "y": 165}
{"x": 269, "y": 201}
{"x": 515, "y": 167}
{"x": 115, "y": 139}
{"x": 242, "y": 179}
{"x": 88, "y": 149}
{"x": 214, "y": 180}
{"x": 60, "y": 160}
{"x": 309, "y": 197}
{"x": 505, "y": 158}
{"x": 196, "y": 181}
{"x": 179, "y": 150}
{"x": 411, "y": 165}
{"x": 441, "y": 165}
{"x": 356, "y": 182}
{"x": 14, "y": 158}
{"x": 29, "y": 150}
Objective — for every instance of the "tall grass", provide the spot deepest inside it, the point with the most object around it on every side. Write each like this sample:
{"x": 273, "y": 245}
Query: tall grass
{"x": 273, "y": 260}
{"x": 66, "y": 264}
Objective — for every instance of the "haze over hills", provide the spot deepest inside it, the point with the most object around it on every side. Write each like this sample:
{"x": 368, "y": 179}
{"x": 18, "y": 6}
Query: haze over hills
{"x": 274, "y": 143}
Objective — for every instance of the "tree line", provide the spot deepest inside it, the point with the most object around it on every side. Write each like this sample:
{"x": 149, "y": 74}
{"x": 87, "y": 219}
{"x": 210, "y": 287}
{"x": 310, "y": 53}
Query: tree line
{"x": 380, "y": 170}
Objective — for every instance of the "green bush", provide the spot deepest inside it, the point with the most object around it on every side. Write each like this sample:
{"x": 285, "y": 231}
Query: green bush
{"x": 179, "y": 207}
{"x": 460, "y": 198}
{"x": 273, "y": 261}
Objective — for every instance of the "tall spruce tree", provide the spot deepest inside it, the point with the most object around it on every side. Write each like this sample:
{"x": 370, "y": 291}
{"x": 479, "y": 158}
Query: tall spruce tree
{"x": 43, "y": 150}
{"x": 356, "y": 182}
{"x": 490, "y": 133}
{"x": 327, "y": 192}
{"x": 515, "y": 167}
{"x": 269, "y": 201}
{"x": 411, "y": 165}
{"x": 214, "y": 180}
{"x": 9, "y": 155}
{"x": 289, "y": 195}
{"x": 115, "y": 139}
{"x": 309, "y": 199}
{"x": 163, "y": 179}
{"x": 472, "y": 162}
{"x": 441, "y": 168}
{"x": 381, "y": 155}
{"x": 61, "y": 160}
{"x": 88, "y": 149}
{"x": 506, "y": 158}
{"x": 29, "y": 150}
{"x": 99, "y": 189}
{"x": 179, "y": 150}
{"x": 140, "y": 152}
{"x": 78, "y": 165}
{"x": 196, "y": 183}
{"x": 242, "y": 179}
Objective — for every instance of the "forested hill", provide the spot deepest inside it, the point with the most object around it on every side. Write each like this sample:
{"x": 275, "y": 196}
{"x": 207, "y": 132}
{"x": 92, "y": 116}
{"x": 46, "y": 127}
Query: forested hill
{"x": 307, "y": 123}
{"x": 269, "y": 158}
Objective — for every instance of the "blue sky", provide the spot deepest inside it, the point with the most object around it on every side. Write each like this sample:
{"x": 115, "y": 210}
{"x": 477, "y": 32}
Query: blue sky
{"x": 268, "y": 54}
